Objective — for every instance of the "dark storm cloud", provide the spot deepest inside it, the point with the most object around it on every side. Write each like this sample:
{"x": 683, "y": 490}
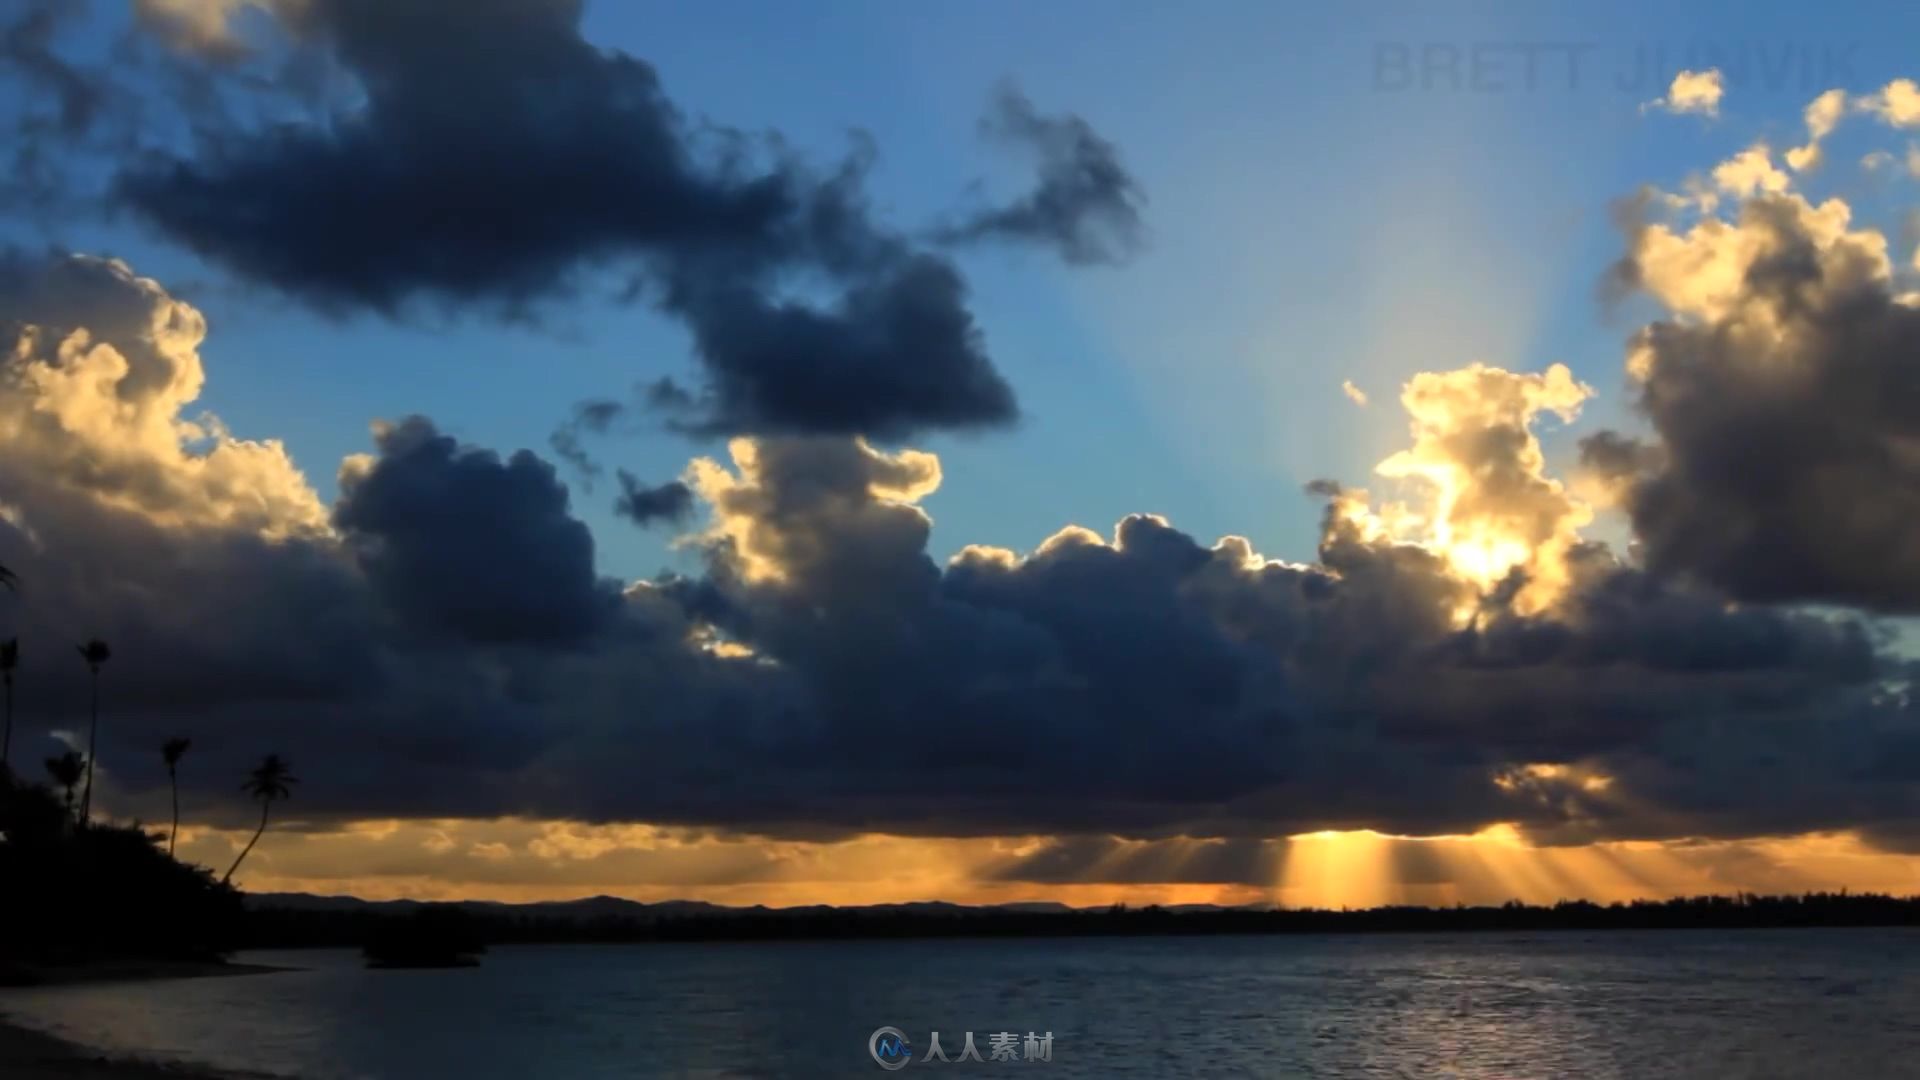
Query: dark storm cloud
{"x": 645, "y": 504}
{"x": 1153, "y": 686}
{"x": 500, "y": 161}
{"x": 1785, "y": 463}
{"x": 899, "y": 352}
{"x": 1085, "y": 204}
{"x": 463, "y": 543}
{"x": 495, "y": 155}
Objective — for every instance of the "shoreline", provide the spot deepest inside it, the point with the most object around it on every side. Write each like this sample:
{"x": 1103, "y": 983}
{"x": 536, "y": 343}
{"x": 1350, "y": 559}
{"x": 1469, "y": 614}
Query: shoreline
{"x": 29, "y": 977}
{"x": 27, "y": 1053}
{"x": 34, "y": 1055}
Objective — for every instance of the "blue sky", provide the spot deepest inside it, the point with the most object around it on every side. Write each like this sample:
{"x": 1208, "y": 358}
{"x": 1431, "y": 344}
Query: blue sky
{"x": 1316, "y": 213}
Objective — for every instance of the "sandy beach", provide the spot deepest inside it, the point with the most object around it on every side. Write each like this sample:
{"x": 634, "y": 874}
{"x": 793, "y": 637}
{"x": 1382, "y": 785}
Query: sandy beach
{"x": 30, "y": 1055}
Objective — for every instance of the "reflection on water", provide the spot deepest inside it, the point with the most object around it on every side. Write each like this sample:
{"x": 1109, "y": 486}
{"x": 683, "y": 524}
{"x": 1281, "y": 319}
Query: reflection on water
{"x": 1706, "y": 1004}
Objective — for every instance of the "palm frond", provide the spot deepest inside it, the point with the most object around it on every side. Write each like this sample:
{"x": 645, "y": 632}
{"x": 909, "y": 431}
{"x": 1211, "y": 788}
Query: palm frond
{"x": 271, "y": 779}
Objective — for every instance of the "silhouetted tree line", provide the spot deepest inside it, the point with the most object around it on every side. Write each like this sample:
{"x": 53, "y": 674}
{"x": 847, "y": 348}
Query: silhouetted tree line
{"x": 287, "y": 928}
{"x": 71, "y": 893}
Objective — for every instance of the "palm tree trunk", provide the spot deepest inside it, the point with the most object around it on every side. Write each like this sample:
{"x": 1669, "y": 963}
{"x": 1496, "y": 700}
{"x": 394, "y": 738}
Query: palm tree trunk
{"x": 93, "y": 740}
{"x": 6, "y": 741}
{"x": 173, "y": 778}
{"x": 265, "y": 805}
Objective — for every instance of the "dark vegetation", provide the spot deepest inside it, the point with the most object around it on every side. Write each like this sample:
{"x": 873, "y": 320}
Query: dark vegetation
{"x": 431, "y": 936}
{"x": 504, "y": 924}
{"x": 77, "y": 891}
{"x": 74, "y": 894}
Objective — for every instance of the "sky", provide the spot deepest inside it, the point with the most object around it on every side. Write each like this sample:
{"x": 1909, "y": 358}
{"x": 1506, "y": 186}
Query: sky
{"x": 846, "y": 452}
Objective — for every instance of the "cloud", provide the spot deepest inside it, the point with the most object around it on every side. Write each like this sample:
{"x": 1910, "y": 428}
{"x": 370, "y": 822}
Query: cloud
{"x": 897, "y": 354}
{"x": 103, "y": 371}
{"x": 807, "y": 313}
{"x": 663, "y": 398}
{"x": 1749, "y": 172}
{"x": 1691, "y": 92}
{"x": 1822, "y": 115}
{"x": 428, "y": 520}
{"x": 1353, "y": 393}
{"x": 1086, "y": 205}
{"x": 645, "y": 504}
{"x": 1778, "y": 390}
{"x": 592, "y": 417}
{"x": 1897, "y": 104}
{"x": 1489, "y": 508}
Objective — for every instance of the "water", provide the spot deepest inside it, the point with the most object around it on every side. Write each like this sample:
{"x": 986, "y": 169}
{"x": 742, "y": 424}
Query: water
{"x": 1718, "y": 1004}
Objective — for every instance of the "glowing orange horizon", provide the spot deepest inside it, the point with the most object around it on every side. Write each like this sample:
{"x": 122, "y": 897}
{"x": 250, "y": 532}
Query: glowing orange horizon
{"x": 522, "y": 860}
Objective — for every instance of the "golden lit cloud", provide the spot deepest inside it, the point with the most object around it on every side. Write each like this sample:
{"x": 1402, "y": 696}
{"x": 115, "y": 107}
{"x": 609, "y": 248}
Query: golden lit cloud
{"x": 1750, "y": 172}
{"x": 99, "y": 408}
{"x": 749, "y": 513}
{"x": 1702, "y": 272}
{"x": 1691, "y": 92}
{"x": 1822, "y": 115}
{"x": 1482, "y": 498}
{"x": 1897, "y": 104}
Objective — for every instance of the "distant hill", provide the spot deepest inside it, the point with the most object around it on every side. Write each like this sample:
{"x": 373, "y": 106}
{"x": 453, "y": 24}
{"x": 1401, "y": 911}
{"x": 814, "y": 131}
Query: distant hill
{"x": 279, "y": 920}
{"x": 592, "y": 908}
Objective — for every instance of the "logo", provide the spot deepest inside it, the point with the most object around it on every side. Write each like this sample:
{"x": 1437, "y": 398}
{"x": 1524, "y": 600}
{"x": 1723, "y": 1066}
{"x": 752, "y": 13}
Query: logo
{"x": 888, "y": 1045}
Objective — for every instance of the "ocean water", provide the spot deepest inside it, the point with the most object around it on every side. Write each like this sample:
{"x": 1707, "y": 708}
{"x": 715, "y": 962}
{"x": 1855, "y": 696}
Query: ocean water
{"x": 1720, "y": 1004}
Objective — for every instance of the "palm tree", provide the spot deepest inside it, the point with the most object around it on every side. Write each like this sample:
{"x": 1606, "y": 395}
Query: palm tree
{"x": 66, "y": 770}
{"x": 269, "y": 781}
{"x": 10, "y": 579}
{"x": 9, "y": 660}
{"x": 95, "y": 653}
{"x": 172, "y": 751}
